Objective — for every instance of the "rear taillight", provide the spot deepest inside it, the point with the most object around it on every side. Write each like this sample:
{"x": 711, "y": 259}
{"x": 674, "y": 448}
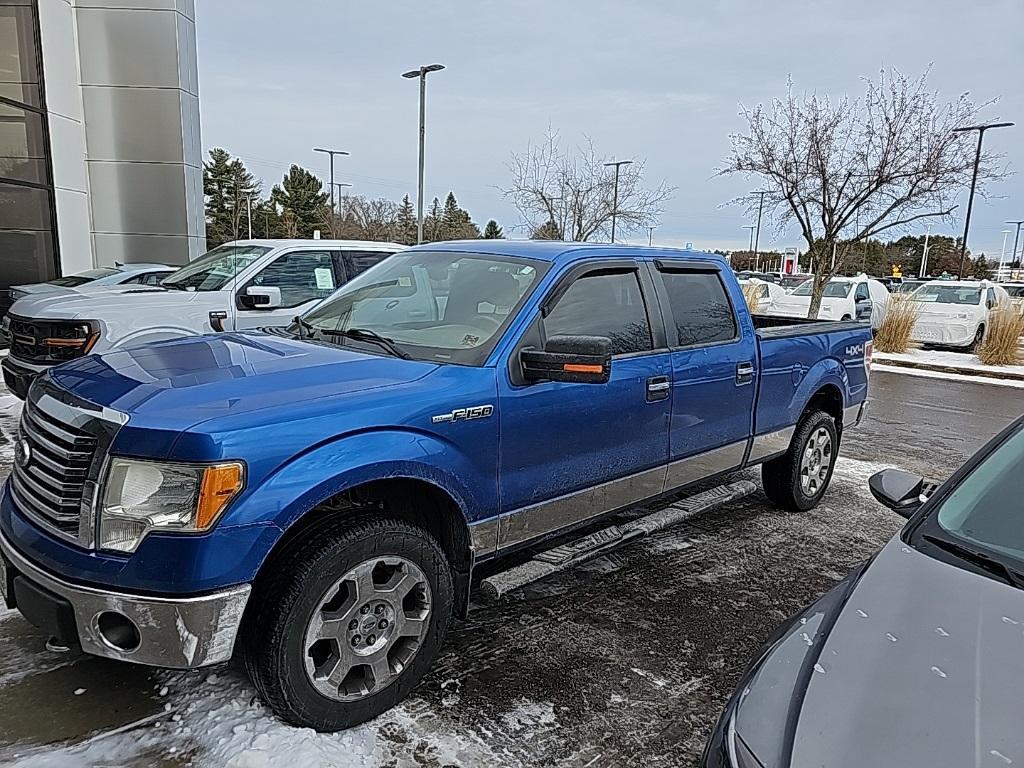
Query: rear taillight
{"x": 869, "y": 347}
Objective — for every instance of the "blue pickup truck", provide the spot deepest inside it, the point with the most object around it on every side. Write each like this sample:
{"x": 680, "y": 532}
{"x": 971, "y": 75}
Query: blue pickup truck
{"x": 315, "y": 498}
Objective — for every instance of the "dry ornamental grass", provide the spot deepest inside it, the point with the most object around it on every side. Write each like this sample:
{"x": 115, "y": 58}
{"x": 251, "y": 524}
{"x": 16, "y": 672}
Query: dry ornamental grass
{"x": 752, "y": 295}
{"x": 1001, "y": 345}
{"x": 897, "y": 328}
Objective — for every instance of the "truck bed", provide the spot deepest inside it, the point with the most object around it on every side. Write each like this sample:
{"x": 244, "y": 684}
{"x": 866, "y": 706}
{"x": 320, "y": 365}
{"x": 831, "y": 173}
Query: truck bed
{"x": 775, "y": 327}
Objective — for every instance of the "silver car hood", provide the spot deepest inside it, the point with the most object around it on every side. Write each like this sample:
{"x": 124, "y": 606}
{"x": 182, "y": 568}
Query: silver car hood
{"x": 924, "y": 667}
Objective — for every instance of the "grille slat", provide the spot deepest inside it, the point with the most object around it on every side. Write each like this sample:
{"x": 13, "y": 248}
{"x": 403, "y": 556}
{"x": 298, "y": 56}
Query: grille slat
{"x": 50, "y": 484}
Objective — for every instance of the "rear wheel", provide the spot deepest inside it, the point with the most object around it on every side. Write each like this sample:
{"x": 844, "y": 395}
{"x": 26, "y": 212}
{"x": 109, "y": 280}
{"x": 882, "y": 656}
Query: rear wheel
{"x": 798, "y": 479}
{"x": 349, "y": 622}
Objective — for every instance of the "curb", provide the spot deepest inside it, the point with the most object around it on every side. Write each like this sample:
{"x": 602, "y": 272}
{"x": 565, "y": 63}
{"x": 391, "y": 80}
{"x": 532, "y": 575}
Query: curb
{"x": 963, "y": 371}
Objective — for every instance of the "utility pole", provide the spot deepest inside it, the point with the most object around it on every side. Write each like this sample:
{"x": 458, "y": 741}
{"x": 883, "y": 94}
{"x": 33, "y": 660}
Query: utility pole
{"x": 757, "y": 235}
{"x": 1016, "y": 237}
{"x": 615, "y": 195}
{"x": 974, "y": 182}
{"x": 248, "y": 208}
{"x": 650, "y": 235}
{"x": 924, "y": 256}
{"x": 421, "y": 73}
{"x": 332, "y": 153}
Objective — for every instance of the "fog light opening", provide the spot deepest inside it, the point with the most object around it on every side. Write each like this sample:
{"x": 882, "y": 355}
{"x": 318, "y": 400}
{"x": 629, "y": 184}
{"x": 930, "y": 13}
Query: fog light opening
{"x": 118, "y": 631}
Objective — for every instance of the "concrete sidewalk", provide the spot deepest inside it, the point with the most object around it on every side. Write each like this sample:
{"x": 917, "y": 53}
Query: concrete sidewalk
{"x": 960, "y": 363}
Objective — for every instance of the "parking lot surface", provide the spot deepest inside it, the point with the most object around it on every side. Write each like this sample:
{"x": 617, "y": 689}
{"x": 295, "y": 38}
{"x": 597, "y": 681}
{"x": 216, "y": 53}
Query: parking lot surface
{"x": 625, "y": 661}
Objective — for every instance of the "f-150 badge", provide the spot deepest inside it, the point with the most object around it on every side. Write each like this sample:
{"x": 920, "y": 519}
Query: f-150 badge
{"x": 462, "y": 414}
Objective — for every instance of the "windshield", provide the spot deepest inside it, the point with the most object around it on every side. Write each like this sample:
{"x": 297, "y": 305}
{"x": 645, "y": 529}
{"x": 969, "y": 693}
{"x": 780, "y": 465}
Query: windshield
{"x": 947, "y": 294}
{"x": 908, "y": 287}
{"x": 1015, "y": 291}
{"x": 447, "y": 307}
{"x": 986, "y": 508}
{"x": 213, "y": 270}
{"x": 84, "y": 277}
{"x": 835, "y": 289}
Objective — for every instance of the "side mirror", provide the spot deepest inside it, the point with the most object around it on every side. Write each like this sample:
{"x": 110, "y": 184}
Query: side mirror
{"x": 902, "y": 492}
{"x": 578, "y": 359}
{"x": 264, "y": 297}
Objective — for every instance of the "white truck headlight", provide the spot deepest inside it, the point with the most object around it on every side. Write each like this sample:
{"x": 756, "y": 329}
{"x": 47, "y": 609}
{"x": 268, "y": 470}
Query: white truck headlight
{"x": 144, "y": 496}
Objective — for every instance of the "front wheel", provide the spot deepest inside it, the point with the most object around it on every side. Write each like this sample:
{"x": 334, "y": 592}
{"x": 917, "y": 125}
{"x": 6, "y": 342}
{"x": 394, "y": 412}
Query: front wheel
{"x": 348, "y": 622}
{"x": 979, "y": 337}
{"x": 799, "y": 478}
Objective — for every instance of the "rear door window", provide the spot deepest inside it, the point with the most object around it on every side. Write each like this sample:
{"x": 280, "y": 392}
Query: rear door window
{"x": 701, "y": 311}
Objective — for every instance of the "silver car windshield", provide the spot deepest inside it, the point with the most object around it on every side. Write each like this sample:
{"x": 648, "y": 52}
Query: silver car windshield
{"x": 986, "y": 508}
{"x": 439, "y": 306}
{"x": 835, "y": 289}
{"x": 947, "y": 294}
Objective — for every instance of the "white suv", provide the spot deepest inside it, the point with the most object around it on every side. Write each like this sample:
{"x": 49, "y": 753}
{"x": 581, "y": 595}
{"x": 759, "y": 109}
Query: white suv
{"x": 237, "y": 286}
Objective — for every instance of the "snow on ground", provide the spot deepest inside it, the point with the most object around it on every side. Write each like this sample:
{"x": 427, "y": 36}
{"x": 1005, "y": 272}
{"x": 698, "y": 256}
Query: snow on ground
{"x": 929, "y": 374}
{"x": 963, "y": 360}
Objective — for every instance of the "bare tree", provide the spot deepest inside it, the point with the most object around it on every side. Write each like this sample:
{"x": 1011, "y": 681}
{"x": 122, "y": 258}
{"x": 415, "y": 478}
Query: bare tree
{"x": 363, "y": 218}
{"x": 573, "y": 193}
{"x": 846, "y": 170}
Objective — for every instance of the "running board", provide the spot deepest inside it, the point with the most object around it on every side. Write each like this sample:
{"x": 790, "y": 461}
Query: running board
{"x": 599, "y": 542}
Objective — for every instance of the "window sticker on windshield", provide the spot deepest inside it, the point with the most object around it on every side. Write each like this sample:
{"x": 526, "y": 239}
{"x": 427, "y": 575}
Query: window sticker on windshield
{"x": 469, "y": 340}
{"x": 324, "y": 278}
{"x": 405, "y": 282}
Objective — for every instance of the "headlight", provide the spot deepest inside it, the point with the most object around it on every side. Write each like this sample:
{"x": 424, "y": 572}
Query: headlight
{"x": 5, "y": 324}
{"x": 144, "y": 496}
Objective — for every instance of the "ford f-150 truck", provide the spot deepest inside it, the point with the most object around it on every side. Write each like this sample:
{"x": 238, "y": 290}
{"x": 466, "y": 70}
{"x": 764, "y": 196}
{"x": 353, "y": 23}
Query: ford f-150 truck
{"x": 238, "y": 285}
{"x": 315, "y": 498}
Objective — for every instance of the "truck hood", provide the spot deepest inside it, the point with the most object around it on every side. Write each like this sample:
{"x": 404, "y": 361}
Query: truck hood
{"x": 89, "y": 303}
{"x": 924, "y": 666}
{"x": 172, "y": 385}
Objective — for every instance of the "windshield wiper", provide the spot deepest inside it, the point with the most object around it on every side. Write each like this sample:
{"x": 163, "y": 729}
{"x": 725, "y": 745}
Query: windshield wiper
{"x": 302, "y": 324}
{"x": 365, "y": 334}
{"x": 982, "y": 560}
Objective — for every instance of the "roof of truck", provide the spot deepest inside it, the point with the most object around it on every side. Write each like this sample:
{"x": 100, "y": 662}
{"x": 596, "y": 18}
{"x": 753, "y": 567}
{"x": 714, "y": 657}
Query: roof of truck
{"x": 550, "y": 250}
{"x": 291, "y": 243}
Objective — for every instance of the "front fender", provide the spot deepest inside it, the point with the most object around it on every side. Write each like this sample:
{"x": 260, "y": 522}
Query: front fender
{"x": 314, "y": 477}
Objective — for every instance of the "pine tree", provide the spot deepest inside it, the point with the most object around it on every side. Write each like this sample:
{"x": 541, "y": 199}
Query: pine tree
{"x": 227, "y": 184}
{"x": 300, "y": 195}
{"x": 492, "y": 231}
{"x": 433, "y": 222}
{"x": 405, "y": 223}
{"x": 549, "y": 230}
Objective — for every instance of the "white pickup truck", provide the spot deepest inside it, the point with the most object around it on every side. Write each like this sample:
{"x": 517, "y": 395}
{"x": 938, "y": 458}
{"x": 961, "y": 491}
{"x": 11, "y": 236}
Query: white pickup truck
{"x": 236, "y": 286}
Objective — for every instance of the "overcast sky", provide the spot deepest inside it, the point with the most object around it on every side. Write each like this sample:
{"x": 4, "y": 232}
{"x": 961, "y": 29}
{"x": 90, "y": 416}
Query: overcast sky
{"x": 659, "y": 80}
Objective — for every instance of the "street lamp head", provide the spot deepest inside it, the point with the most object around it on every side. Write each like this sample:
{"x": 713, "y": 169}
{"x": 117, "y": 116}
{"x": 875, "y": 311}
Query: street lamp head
{"x": 981, "y": 127}
{"x": 422, "y": 71}
{"x": 617, "y": 162}
{"x": 330, "y": 151}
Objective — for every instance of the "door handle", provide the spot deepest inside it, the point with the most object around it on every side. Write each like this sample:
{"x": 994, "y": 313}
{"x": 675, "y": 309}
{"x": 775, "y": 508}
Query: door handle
{"x": 658, "y": 388}
{"x": 744, "y": 374}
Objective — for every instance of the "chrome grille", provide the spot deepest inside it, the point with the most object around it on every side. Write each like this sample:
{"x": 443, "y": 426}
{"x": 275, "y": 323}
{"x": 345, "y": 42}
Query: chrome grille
{"x": 62, "y": 443}
{"x": 51, "y": 483}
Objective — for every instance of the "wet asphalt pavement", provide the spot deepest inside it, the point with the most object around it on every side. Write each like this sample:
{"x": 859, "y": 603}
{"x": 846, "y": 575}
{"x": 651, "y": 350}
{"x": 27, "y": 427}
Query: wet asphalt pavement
{"x": 625, "y": 661}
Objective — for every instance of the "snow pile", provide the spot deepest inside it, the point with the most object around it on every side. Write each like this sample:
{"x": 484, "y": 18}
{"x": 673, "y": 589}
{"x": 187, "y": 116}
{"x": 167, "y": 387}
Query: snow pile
{"x": 216, "y": 719}
{"x": 937, "y": 357}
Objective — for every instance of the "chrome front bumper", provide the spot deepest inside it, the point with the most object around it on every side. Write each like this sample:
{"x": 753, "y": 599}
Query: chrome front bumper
{"x": 175, "y": 633}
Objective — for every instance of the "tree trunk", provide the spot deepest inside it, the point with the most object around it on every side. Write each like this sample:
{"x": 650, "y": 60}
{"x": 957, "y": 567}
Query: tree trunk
{"x": 823, "y": 270}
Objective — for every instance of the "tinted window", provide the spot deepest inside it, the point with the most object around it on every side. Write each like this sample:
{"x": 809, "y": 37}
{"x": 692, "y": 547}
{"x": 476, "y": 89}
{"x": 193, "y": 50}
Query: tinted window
{"x": 608, "y": 304}
{"x": 701, "y": 311}
{"x": 360, "y": 261}
{"x": 301, "y": 275}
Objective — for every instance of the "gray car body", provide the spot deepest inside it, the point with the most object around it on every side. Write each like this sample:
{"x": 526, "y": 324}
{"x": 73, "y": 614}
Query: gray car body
{"x": 924, "y": 666}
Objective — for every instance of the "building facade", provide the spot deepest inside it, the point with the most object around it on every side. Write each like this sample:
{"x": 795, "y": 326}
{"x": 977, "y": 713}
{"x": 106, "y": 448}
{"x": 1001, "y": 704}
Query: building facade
{"x": 100, "y": 153}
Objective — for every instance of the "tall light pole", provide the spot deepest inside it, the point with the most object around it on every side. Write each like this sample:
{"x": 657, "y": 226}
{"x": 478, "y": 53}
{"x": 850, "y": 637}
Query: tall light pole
{"x": 248, "y": 208}
{"x": 924, "y": 256}
{"x": 757, "y": 236}
{"x": 421, "y": 73}
{"x": 616, "y": 164}
{"x": 650, "y": 235}
{"x": 974, "y": 181}
{"x": 750, "y": 248}
{"x": 332, "y": 153}
{"x": 1002, "y": 254}
{"x": 1016, "y": 237}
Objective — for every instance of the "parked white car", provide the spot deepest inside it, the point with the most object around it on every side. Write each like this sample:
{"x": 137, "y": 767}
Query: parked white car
{"x": 1016, "y": 294}
{"x": 119, "y": 274}
{"x": 767, "y": 294}
{"x": 955, "y": 313}
{"x": 236, "y": 286}
{"x": 845, "y": 298}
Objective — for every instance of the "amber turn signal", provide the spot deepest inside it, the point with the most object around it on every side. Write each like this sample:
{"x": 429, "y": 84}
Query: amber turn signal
{"x": 221, "y": 483}
{"x": 582, "y": 368}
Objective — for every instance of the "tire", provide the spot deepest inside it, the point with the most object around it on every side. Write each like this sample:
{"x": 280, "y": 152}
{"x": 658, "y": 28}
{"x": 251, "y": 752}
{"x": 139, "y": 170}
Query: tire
{"x": 307, "y": 595}
{"x": 979, "y": 337}
{"x": 783, "y": 477}
{"x": 845, "y": 318}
